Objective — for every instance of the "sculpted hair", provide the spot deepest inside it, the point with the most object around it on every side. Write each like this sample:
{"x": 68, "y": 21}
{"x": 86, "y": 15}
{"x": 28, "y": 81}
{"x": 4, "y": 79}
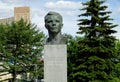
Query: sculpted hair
{"x": 52, "y": 13}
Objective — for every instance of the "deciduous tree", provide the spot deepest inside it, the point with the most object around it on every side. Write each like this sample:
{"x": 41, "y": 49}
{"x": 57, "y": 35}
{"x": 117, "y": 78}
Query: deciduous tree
{"x": 23, "y": 47}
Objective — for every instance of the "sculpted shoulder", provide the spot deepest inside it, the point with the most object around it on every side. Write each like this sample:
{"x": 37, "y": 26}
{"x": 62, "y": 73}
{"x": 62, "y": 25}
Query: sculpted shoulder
{"x": 62, "y": 40}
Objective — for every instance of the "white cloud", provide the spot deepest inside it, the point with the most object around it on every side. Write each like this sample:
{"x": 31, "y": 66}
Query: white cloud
{"x": 10, "y": 1}
{"x": 5, "y": 10}
{"x": 3, "y": 6}
{"x": 39, "y": 21}
{"x": 63, "y": 5}
{"x": 37, "y": 18}
{"x": 7, "y": 7}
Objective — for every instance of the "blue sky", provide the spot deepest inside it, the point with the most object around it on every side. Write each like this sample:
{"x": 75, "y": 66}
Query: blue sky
{"x": 69, "y": 9}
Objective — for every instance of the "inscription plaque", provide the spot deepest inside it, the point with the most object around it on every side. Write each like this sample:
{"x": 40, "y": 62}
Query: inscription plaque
{"x": 55, "y": 63}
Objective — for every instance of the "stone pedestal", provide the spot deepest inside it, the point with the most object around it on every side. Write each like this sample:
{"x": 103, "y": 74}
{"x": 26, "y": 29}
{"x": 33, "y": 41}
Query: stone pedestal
{"x": 55, "y": 63}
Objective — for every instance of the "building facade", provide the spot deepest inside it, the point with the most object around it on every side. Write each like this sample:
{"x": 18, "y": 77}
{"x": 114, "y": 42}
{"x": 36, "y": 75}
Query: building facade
{"x": 19, "y": 12}
{"x": 22, "y": 12}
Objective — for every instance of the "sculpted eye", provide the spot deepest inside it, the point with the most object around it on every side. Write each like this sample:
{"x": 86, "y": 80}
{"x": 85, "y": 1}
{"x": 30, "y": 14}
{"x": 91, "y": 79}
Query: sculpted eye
{"x": 57, "y": 20}
{"x": 49, "y": 21}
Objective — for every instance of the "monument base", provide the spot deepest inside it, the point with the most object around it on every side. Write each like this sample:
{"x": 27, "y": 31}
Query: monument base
{"x": 55, "y": 63}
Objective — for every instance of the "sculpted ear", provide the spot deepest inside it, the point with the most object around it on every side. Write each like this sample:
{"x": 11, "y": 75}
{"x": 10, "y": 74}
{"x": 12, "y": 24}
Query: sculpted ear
{"x": 45, "y": 26}
{"x": 62, "y": 25}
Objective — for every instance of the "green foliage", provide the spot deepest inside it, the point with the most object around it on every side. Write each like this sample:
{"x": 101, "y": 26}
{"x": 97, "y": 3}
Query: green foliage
{"x": 116, "y": 73}
{"x": 118, "y": 52}
{"x": 72, "y": 51}
{"x": 22, "y": 48}
{"x": 92, "y": 57}
{"x": 118, "y": 69}
{"x": 116, "y": 79}
{"x": 2, "y": 40}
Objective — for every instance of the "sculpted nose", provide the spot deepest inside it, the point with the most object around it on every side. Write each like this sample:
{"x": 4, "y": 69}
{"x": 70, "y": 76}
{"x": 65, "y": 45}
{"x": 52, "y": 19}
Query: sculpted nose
{"x": 53, "y": 23}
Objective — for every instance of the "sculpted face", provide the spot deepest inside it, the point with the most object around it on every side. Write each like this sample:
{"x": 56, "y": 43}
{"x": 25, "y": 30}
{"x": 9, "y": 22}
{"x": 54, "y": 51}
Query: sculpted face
{"x": 53, "y": 23}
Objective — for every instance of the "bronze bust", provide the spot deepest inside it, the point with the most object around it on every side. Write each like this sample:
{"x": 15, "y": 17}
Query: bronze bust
{"x": 54, "y": 24}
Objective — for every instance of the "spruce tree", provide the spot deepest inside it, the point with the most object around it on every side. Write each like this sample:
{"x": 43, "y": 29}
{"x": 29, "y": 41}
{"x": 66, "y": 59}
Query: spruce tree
{"x": 72, "y": 51}
{"x": 23, "y": 47}
{"x": 116, "y": 72}
{"x": 94, "y": 62}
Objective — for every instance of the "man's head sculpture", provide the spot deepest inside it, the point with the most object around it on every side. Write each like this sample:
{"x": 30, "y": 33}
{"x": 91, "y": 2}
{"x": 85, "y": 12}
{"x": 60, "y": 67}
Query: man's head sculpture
{"x": 54, "y": 24}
